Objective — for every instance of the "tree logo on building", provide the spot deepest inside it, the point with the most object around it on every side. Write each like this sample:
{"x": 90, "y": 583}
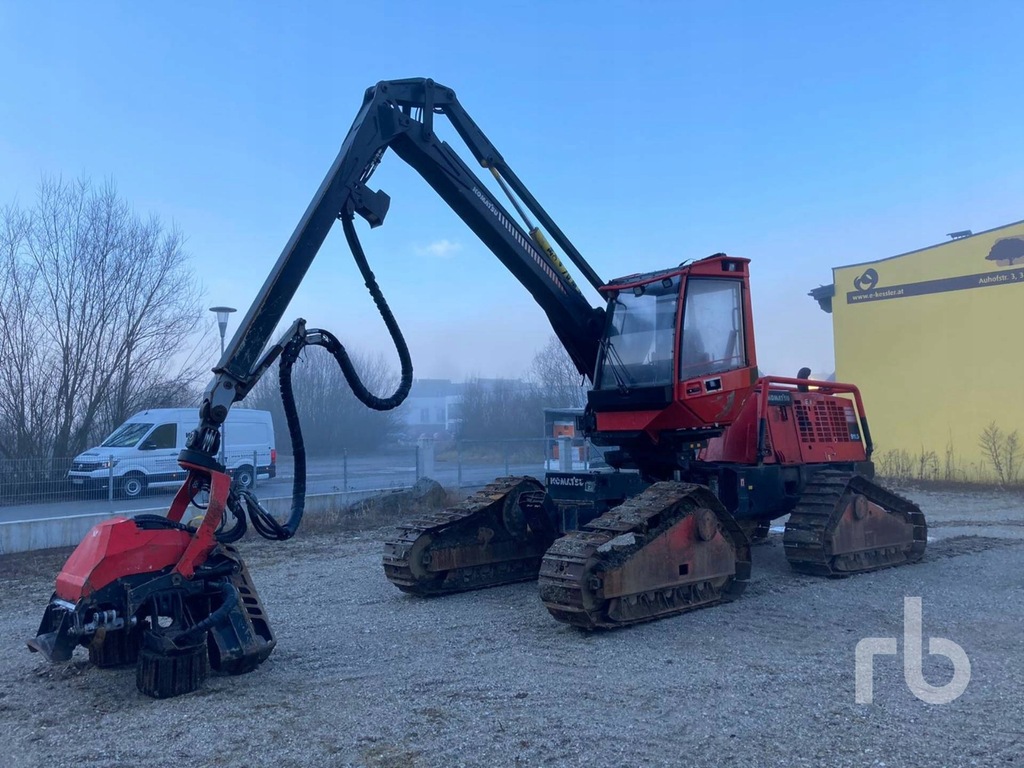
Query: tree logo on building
{"x": 1007, "y": 251}
{"x": 867, "y": 281}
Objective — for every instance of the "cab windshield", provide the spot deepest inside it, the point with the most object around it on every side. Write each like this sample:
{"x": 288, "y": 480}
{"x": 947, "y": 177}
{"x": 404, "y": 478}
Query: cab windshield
{"x": 127, "y": 435}
{"x": 638, "y": 350}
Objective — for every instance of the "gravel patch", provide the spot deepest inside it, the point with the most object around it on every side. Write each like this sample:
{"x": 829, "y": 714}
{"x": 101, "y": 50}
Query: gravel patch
{"x": 366, "y": 676}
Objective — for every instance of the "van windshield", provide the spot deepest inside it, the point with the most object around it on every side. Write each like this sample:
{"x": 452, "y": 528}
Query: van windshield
{"x": 127, "y": 435}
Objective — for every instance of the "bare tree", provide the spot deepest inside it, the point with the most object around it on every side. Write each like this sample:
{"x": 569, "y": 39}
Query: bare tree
{"x": 500, "y": 409}
{"x": 332, "y": 418}
{"x": 555, "y": 375}
{"x": 1002, "y": 451}
{"x": 25, "y": 419}
{"x": 504, "y": 409}
{"x": 100, "y": 310}
{"x": 1012, "y": 451}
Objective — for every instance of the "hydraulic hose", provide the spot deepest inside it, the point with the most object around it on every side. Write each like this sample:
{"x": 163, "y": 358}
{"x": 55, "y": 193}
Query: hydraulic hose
{"x": 217, "y": 617}
{"x": 351, "y": 376}
{"x": 236, "y": 531}
{"x": 243, "y": 501}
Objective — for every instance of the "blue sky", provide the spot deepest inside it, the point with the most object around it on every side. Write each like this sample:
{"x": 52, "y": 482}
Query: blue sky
{"x": 802, "y": 135}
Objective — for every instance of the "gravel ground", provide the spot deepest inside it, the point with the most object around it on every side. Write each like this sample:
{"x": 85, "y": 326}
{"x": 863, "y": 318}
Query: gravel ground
{"x": 363, "y": 675}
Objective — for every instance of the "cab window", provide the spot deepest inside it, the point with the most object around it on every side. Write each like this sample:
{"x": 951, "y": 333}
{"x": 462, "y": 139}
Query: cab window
{"x": 163, "y": 437}
{"x": 638, "y": 347}
{"x": 712, "y": 338}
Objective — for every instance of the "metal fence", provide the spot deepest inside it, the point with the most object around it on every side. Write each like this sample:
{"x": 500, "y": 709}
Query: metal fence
{"x": 26, "y": 481}
{"x": 454, "y": 464}
{"x": 511, "y": 456}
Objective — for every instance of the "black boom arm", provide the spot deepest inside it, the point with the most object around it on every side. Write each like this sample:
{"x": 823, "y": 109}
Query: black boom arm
{"x": 399, "y": 114}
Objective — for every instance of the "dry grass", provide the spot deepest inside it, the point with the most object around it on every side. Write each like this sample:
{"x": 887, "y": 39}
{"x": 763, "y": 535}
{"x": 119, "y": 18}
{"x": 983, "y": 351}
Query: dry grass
{"x": 386, "y": 509}
{"x": 30, "y": 565}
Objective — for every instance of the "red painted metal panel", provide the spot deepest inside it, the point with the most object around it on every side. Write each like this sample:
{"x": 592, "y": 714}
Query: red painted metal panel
{"x": 116, "y": 548}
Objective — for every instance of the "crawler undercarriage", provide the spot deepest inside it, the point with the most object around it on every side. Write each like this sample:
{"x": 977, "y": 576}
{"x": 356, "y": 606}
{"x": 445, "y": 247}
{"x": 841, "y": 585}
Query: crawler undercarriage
{"x": 670, "y": 549}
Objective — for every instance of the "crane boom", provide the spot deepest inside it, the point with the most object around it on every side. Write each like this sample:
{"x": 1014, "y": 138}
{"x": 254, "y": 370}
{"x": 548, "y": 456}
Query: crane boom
{"x": 399, "y": 115}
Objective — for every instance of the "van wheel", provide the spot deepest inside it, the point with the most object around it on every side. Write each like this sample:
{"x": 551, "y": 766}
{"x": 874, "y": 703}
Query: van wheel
{"x": 133, "y": 485}
{"x": 244, "y": 476}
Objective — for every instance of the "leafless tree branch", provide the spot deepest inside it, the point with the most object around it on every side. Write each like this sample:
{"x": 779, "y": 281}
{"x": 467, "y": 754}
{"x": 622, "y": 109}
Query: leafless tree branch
{"x": 97, "y": 305}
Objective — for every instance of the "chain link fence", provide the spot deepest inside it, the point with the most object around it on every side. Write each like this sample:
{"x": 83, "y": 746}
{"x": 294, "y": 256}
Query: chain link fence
{"x": 454, "y": 464}
{"x": 27, "y": 481}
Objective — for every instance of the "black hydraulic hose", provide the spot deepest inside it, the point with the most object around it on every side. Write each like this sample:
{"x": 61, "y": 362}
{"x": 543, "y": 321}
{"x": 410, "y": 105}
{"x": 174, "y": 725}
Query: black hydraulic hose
{"x": 236, "y": 531}
{"x": 291, "y": 415}
{"x": 215, "y": 618}
{"x": 265, "y": 524}
{"x": 244, "y": 502}
{"x": 360, "y": 391}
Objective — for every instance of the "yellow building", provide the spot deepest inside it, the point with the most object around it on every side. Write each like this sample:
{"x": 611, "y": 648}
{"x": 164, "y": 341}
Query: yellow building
{"x": 934, "y": 338}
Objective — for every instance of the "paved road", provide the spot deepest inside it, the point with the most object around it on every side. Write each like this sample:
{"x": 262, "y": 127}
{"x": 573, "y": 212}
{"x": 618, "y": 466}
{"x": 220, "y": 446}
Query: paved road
{"x": 322, "y": 476}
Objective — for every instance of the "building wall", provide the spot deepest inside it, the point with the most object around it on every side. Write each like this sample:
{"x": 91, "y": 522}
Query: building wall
{"x": 431, "y": 407}
{"x": 935, "y": 340}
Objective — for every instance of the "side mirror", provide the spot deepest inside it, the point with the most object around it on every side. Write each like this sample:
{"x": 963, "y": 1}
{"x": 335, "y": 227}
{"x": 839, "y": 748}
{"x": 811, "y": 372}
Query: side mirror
{"x": 149, "y": 445}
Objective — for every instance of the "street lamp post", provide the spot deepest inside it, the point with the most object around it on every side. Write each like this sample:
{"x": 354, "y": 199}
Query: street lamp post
{"x": 222, "y": 323}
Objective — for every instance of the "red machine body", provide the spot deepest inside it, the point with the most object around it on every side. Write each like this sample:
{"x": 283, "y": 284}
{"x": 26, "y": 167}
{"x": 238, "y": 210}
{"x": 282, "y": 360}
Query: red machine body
{"x": 804, "y": 425}
{"x": 119, "y": 547}
{"x": 692, "y": 326}
{"x": 116, "y": 548}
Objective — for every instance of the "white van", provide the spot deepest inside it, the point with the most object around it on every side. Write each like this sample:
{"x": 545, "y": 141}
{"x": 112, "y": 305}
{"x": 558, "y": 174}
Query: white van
{"x": 143, "y": 452}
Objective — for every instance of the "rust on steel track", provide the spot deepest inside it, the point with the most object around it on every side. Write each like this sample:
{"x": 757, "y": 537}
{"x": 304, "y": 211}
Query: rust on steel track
{"x": 481, "y": 542}
{"x": 847, "y": 524}
{"x": 671, "y": 549}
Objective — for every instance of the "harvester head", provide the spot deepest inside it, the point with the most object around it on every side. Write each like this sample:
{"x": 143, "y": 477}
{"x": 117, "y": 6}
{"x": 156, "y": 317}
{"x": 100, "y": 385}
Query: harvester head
{"x": 163, "y": 595}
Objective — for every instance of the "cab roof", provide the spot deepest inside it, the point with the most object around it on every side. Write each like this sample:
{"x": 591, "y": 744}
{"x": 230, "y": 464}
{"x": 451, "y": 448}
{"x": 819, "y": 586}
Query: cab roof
{"x": 708, "y": 266}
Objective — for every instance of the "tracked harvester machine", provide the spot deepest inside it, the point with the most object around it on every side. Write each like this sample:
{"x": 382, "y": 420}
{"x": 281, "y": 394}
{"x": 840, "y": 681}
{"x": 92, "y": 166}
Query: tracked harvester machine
{"x": 705, "y": 454}
{"x": 703, "y": 451}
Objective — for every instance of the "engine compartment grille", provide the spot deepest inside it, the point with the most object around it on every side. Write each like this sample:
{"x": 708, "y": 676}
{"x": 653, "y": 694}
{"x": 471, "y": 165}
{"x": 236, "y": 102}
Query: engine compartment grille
{"x": 822, "y": 420}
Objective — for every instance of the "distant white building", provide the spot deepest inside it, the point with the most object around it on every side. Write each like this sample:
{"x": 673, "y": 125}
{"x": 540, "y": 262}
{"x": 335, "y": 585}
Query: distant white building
{"x": 432, "y": 407}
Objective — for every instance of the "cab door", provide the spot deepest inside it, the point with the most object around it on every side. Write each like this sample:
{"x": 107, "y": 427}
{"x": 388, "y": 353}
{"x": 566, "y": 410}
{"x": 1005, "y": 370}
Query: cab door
{"x": 717, "y": 369}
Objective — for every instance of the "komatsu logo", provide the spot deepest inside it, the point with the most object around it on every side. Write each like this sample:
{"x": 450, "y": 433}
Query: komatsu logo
{"x": 569, "y": 482}
{"x": 514, "y": 231}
